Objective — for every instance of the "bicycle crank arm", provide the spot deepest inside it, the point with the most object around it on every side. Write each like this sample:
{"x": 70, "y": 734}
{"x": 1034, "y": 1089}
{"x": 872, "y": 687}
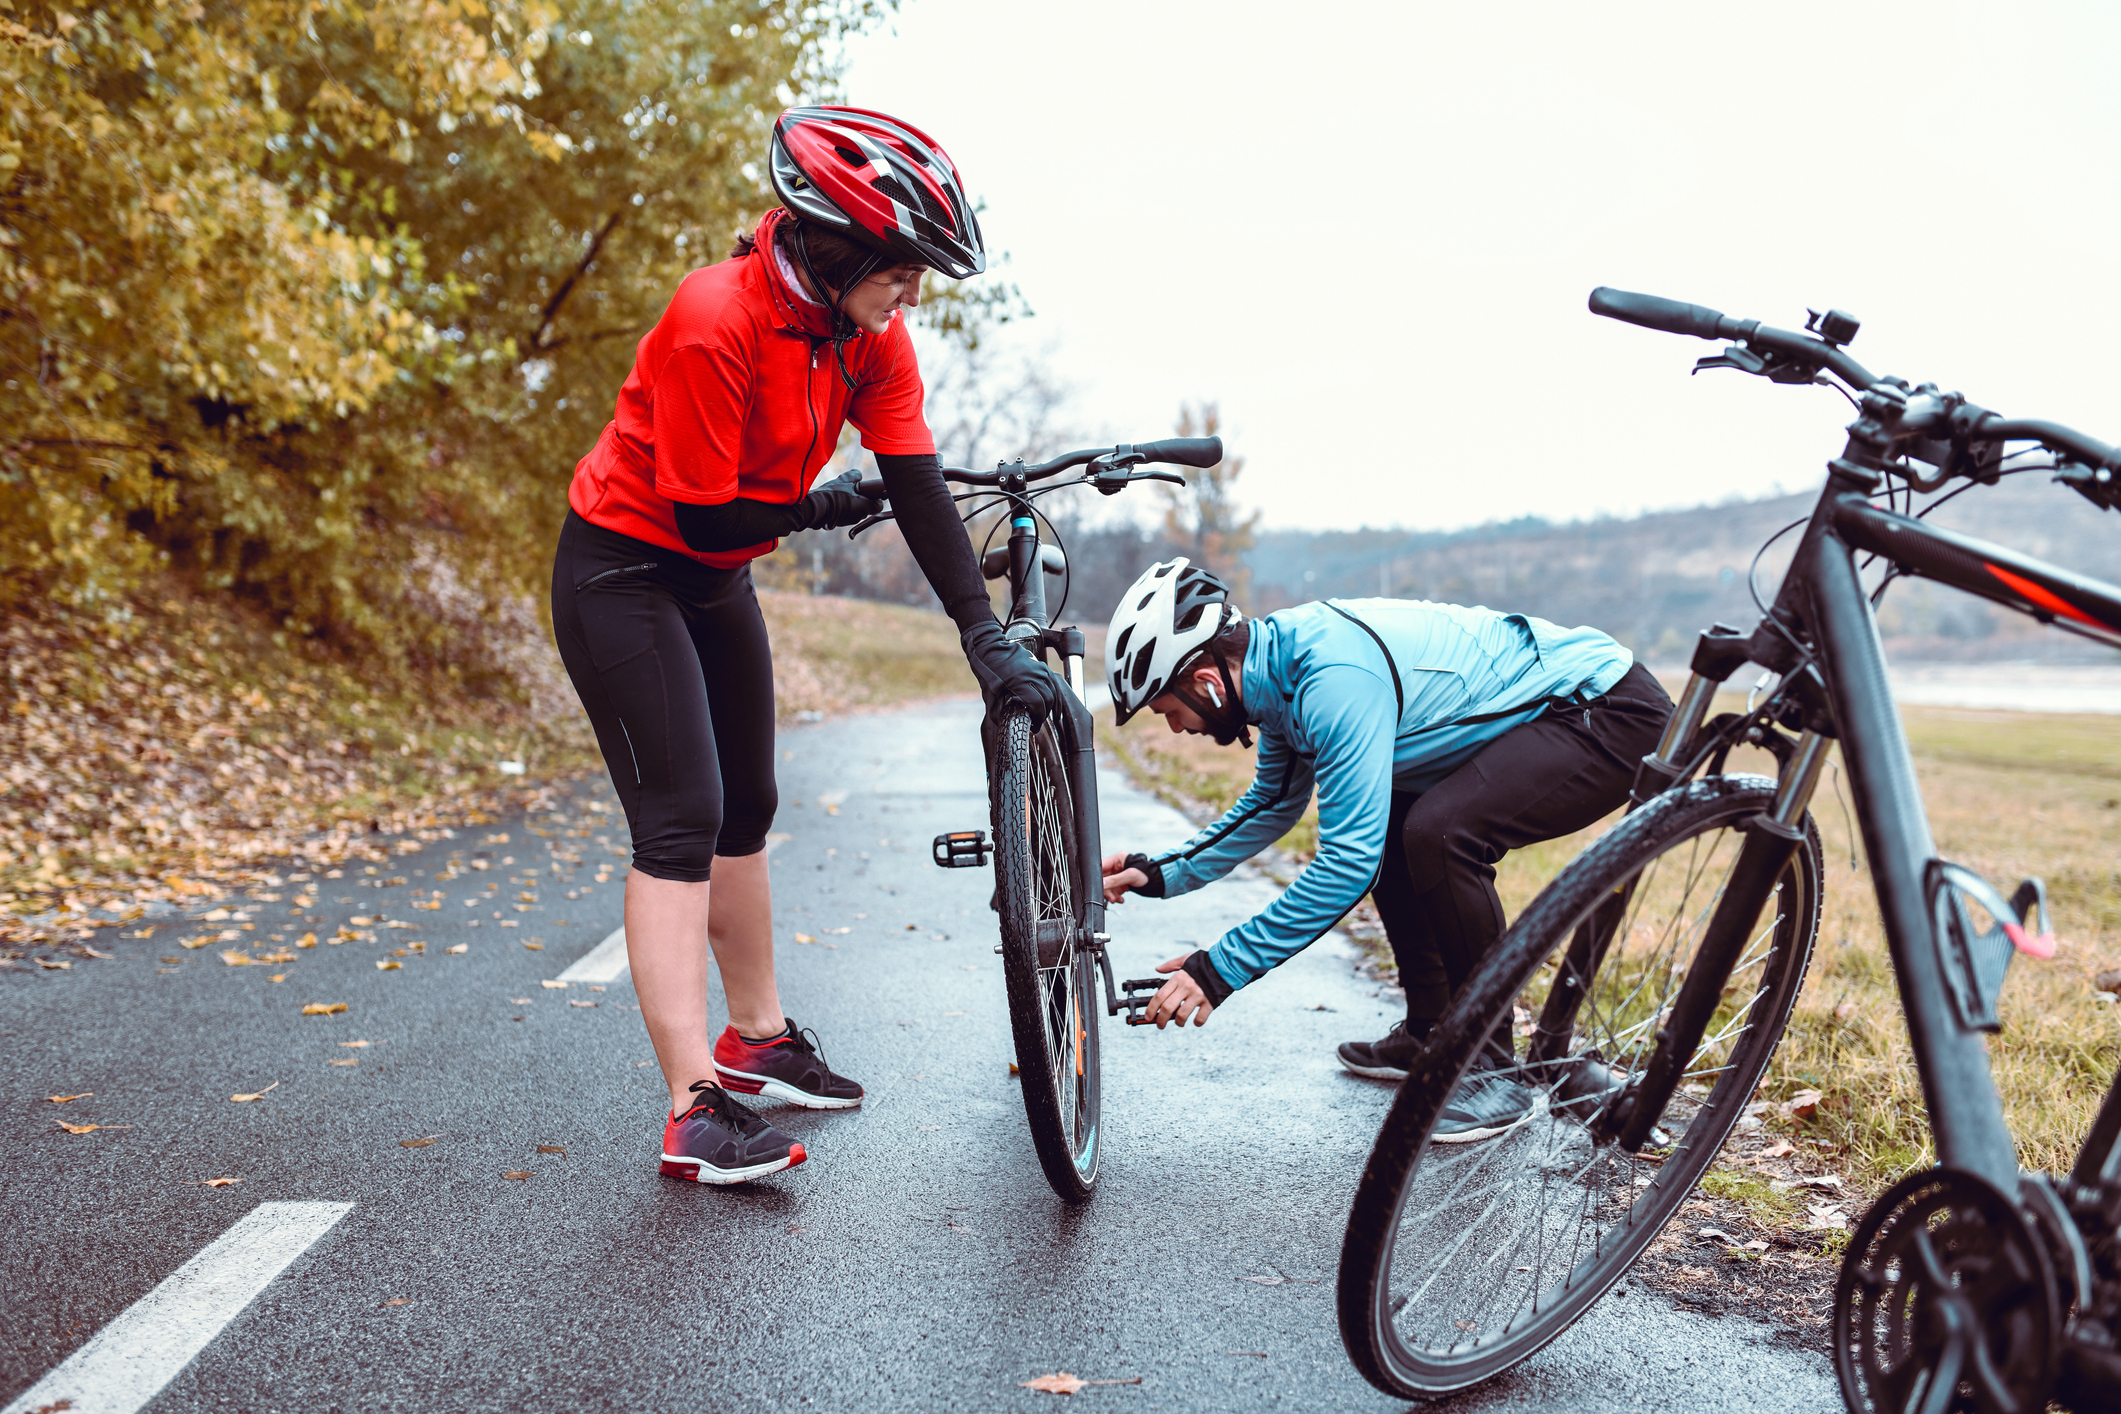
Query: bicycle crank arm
{"x": 1137, "y": 991}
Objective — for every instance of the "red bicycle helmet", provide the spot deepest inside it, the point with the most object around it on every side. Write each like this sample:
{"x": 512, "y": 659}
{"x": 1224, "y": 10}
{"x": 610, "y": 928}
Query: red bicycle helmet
{"x": 880, "y": 181}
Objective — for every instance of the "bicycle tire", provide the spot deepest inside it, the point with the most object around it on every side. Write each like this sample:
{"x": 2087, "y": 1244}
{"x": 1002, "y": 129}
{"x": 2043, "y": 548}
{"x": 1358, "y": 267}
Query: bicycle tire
{"x": 1437, "y": 1223}
{"x": 1051, "y": 982}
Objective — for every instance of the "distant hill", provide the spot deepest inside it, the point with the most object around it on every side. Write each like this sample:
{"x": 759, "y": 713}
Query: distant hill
{"x": 1655, "y": 581}
{"x": 1652, "y": 581}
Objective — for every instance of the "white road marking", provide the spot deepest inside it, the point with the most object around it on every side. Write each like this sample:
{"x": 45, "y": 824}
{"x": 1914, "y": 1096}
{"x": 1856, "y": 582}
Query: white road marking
{"x": 606, "y": 962}
{"x": 127, "y": 1363}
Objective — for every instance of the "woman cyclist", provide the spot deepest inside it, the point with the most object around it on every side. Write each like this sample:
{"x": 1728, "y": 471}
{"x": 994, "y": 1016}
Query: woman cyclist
{"x": 734, "y": 405}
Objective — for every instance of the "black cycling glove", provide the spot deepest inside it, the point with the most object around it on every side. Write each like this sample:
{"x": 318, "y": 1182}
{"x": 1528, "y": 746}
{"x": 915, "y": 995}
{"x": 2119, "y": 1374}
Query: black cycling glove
{"x": 1155, "y": 887}
{"x": 1203, "y": 971}
{"x": 1008, "y": 673}
{"x": 837, "y": 503}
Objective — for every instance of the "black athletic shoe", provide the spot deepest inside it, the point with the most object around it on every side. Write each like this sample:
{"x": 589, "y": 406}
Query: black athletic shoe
{"x": 787, "y": 1067}
{"x": 1486, "y": 1103}
{"x": 1384, "y": 1059}
{"x": 719, "y": 1141}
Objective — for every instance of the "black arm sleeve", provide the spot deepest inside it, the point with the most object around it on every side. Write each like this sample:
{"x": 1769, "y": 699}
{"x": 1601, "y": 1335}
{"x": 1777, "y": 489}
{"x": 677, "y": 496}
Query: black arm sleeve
{"x": 735, "y": 524}
{"x": 920, "y": 499}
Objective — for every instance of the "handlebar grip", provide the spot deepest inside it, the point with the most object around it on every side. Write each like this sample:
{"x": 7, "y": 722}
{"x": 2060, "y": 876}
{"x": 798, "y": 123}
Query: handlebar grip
{"x": 1667, "y": 315}
{"x": 873, "y": 488}
{"x": 1185, "y": 451}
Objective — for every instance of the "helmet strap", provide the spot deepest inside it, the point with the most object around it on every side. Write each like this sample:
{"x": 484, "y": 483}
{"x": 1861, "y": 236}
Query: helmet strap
{"x": 844, "y": 329}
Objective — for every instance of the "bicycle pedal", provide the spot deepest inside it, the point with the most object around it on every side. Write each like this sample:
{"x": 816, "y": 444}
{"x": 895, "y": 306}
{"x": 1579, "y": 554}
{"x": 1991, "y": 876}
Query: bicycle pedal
{"x": 961, "y": 849}
{"x": 1140, "y": 991}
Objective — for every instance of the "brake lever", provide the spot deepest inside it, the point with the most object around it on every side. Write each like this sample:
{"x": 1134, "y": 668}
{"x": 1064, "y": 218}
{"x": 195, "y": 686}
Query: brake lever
{"x": 878, "y": 519}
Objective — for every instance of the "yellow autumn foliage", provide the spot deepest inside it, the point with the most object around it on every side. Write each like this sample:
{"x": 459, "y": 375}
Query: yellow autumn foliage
{"x": 320, "y": 301}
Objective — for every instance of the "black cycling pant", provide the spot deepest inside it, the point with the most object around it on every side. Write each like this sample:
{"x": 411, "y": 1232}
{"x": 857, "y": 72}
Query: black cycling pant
{"x": 670, "y": 659}
{"x": 1560, "y": 773}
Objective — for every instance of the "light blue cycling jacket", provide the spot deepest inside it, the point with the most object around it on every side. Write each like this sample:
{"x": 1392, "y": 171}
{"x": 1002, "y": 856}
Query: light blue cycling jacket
{"x": 1320, "y": 685}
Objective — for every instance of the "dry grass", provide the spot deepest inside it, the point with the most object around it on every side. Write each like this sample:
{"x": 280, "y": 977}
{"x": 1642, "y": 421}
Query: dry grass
{"x": 2009, "y": 795}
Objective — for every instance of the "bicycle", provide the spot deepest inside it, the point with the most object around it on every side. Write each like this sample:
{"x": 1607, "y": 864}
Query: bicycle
{"x": 1042, "y": 795}
{"x": 1650, "y": 981}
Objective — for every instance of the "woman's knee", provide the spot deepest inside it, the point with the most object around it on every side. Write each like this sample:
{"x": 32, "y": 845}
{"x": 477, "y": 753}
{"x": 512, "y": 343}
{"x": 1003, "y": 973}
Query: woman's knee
{"x": 746, "y": 822}
{"x": 678, "y": 842}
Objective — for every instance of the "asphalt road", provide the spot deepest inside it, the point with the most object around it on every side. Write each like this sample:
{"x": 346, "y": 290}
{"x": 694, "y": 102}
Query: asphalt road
{"x": 918, "y": 1261}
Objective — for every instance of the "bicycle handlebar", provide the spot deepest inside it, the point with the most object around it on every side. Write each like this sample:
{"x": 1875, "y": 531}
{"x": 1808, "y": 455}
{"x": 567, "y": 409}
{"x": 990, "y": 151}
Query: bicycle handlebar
{"x": 1952, "y": 417}
{"x": 1184, "y": 451}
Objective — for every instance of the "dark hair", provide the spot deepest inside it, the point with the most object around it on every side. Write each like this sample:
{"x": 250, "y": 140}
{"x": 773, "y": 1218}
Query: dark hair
{"x": 837, "y": 260}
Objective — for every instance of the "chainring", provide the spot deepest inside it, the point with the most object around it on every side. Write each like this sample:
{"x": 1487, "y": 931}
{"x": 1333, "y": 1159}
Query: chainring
{"x": 1947, "y": 1301}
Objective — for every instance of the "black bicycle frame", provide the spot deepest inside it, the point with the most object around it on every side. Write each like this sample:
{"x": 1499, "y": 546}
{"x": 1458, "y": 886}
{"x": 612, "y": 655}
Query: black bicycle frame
{"x": 1027, "y": 624}
{"x": 1822, "y": 617}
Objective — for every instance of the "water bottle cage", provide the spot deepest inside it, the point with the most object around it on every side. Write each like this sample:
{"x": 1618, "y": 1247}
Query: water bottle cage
{"x": 1975, "y": 960}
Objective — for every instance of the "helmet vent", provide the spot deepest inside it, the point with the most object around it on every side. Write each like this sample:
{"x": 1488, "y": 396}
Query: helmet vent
{"x": 1119, "y": 646}
{"x": 1141, "y": 662}
{"x": 850, "y": 156}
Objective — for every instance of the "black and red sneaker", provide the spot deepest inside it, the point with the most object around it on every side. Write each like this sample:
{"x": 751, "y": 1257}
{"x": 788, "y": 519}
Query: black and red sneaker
{"x": 786, "y": 1067}
{"x": 719, "y": 1141}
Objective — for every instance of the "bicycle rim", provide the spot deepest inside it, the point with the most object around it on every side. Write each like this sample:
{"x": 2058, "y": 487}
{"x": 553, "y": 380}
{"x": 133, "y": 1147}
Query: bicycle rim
{"x": 1051, "y": 981}
{"x": 1463, "y": 1259}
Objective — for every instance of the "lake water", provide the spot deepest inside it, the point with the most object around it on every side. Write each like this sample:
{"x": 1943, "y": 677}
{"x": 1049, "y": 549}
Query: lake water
{"x": 2010, "y": 687}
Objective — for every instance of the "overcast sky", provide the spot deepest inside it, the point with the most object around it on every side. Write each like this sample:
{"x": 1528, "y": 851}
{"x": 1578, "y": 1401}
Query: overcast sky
{"x": 1368, "y": 229}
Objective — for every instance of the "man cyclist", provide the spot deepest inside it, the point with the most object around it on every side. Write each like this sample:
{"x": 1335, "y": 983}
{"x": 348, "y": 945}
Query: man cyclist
{"x": 1438, "y": 737}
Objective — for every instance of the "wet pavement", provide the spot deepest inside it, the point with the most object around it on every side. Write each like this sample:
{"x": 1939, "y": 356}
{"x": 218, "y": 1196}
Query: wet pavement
{"x": 917, "y": 1261}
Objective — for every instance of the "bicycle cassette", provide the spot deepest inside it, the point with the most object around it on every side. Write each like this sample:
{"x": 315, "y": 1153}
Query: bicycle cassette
{"x": 1947, "y": 1301}
{"x": 1975, "y": 960}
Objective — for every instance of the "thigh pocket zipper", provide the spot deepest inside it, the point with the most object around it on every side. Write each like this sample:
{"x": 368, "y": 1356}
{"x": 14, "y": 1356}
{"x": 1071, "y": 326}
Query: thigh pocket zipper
{"x": 622, "y": 569}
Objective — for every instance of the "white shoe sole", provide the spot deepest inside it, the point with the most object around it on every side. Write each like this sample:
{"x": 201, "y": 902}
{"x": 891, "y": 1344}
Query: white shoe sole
{"x": 767, "y": 1088}
{"x": 674, "y": 1166}
{"x": 1470, "y": 1136}
{"x": 1373, "y": 1072}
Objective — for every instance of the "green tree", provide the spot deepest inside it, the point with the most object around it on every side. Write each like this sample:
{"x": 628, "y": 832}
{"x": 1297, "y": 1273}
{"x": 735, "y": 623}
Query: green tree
{"x": 292, "y": 288}
{"x": 1205, "y": 522}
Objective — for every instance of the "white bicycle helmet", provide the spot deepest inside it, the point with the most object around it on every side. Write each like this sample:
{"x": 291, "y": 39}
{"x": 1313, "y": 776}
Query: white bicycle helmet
{"x": 1166, "y": 617}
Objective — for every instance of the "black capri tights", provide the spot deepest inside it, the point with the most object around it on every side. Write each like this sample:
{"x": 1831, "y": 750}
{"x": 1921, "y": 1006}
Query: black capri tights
{"x": 670, "y": 659}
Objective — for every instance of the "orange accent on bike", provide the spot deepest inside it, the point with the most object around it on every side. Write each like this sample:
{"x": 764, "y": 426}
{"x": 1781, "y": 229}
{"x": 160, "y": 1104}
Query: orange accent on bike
{"x": 2044, "y": 598}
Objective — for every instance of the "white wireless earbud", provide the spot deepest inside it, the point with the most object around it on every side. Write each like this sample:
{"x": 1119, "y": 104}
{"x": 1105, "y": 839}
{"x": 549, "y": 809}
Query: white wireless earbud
{"x": 1215, "y": 695}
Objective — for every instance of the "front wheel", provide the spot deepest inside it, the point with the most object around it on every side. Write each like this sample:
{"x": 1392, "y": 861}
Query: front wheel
{"x": 1462, "y": 1259}
{"x": 1052, "y": 982}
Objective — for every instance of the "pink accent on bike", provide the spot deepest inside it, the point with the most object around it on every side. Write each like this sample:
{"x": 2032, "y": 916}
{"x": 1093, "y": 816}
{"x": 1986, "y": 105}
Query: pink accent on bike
{"x": 2040, "y": 945}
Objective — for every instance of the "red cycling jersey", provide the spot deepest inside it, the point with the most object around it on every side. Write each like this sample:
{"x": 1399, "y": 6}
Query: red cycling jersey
{"x": 736, "y": 392}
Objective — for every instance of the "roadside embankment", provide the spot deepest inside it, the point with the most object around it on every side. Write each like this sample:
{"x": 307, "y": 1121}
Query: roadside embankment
{"x": 171, "y": 750}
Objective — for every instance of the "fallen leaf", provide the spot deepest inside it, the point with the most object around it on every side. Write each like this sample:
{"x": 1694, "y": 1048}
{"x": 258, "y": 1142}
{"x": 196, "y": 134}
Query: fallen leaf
{"x": 1781, "y": 1148}
{"x": 283, "y": 955}
{"x": 1802, "y": 1105}
{"x": 216, "y": 1182}
{"x": 237, "y": 959}
{"x": 323, "y": 1008}
{"x": 1013, "y": 1069}
{"x": 552, "y": 1148}
{"x": 519, "y": 1173}
{"x": 581, "y": 1003}
{"x": 386, "y": 964}
{"x": 350, "y": 1060}
{"x": 215, "y": 916}
{"x": 68, "y": 1099}
{"x": 1758, "y": 1244}
{"x": 596, "y": 989}
{"x": 50, "y": 966}
{"x": 307, "y": 940}
{"x": 534, "y": 947}
{"x": 1062, "y": 1383}
{"x": 520, "y": 1001}
{"x": 91, "y": 952}
{"x": 1717, "y": 1234}
{"x": 551, "y": 986}
{"x": 362, "y": 922}
{"x": 77, "y": 1128}
{"x": 246, "y": 1099}
{"x": 804, "y": 938}
{"x": 1265, "y": 1281}
{"x": 1822, "y": 1180}
{"x": 837, "y": 931}
{"x": 277, "y": 977}
{"x": 399, "y": 1301}
{"x": 193, "y": 943}
{"x": 419, "y": 1143}
{"x": 459, "y": 948}
{"x": 355, "y": 1045}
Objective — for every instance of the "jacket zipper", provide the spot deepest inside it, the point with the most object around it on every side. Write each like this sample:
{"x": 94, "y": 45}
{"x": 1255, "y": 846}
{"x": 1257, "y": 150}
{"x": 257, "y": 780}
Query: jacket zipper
{"x": 809, "y": 401}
